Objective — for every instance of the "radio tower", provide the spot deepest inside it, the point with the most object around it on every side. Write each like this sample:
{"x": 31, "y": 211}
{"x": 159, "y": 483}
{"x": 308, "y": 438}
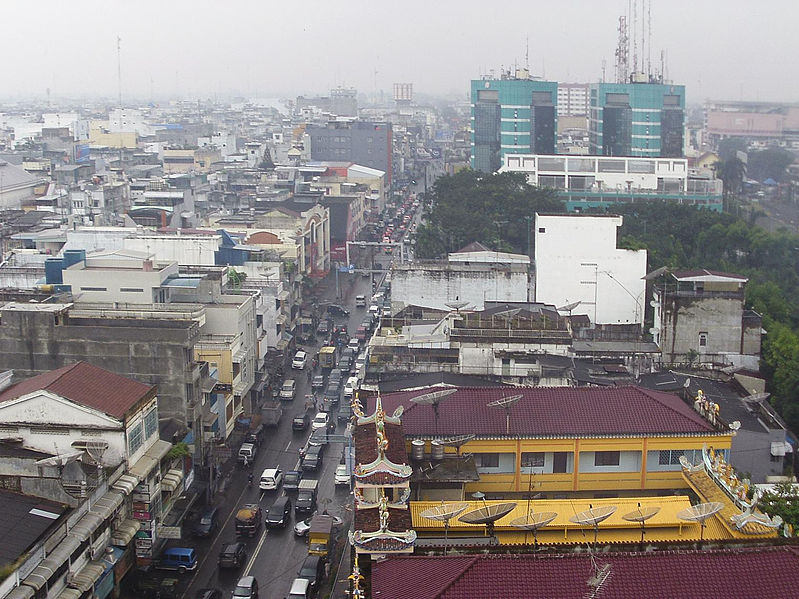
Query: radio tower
{"x": 623, "y": 53}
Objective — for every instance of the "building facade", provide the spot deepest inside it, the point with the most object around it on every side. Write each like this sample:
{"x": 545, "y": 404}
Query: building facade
{"x": 368, "y": 143}
{"x": 511, "y": 115}
{"x": 637, "y": 119}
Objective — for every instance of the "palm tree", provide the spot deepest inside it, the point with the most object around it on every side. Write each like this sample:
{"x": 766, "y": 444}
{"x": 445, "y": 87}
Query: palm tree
{"x": 732, "y": 173}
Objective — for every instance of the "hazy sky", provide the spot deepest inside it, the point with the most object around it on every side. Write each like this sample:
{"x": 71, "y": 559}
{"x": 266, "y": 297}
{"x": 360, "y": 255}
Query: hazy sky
{"x": 727, "y": 49}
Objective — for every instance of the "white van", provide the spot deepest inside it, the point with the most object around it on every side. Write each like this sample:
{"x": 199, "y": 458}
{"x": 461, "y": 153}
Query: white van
{"x": 350, "y": 387}
{"x": 360, "y": 301}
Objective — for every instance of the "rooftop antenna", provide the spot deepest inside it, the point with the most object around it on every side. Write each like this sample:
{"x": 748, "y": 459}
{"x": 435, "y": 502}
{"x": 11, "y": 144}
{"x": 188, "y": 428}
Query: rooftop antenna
{"x": 593, "y": 516}
{"x": 527, "y": 53}
{"x": 649, "y": 38}
{"x": 488, "y": 514}
{"x": 119, "y": 71}
{"x": 433, "y": 399}
{"x": 444, "y": 513}
{"x": 700, "y": 513}
{"x": 505, "y": 403}
{"x": 533, "y": 521}
{"x": 641, "y": 515}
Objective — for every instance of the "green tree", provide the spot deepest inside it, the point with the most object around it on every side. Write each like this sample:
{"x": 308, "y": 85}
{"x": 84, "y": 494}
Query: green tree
{"x": 782, "y": 502}
{"x": 771, "y": 163}
{"x": 732, "y": 173}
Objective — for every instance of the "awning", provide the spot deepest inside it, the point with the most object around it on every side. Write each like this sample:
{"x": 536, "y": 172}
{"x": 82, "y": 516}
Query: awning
{"x": 88, "y": 575}
{"x": 239, "y": 356}
{"x": 175, "y": 473}
{"x": 125, "y": 532}
{"x": 281, "y": 319}
{"x": 168, "y": 485}
{"x": 283, "y": 295}
{"x": 84, "y": 528}
{"x": 69, "y": 593}
{"x": 52, "y": 562}
{"x": 125, "y": 484}
{"x": 107, "y": 504}
{"x": 207, "y": 384}
{"x": 21, "y": 592}
{"x": 150, "y": 459}
{"x": 780, "y": 448}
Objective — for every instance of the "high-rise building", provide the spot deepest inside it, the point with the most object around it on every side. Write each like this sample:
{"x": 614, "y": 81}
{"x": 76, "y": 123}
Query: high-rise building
{"x": 510, "y": 115}
{"x": 637, "y": 119}
{"x": 366, "y": 143}
{"x": 573, "y": 99}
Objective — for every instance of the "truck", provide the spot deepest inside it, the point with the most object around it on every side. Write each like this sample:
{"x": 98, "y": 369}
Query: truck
{"x": 271, "y": 413}
{"x": 327, "y": 357}
{"x": 306, "y": 496}
{"x": 248, "y": 520}
{"x": 320, "y": 535}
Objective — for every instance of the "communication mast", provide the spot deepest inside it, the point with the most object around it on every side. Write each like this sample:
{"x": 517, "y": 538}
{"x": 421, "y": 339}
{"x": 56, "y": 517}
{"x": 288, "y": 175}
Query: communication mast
{"x": 623, "y": 53}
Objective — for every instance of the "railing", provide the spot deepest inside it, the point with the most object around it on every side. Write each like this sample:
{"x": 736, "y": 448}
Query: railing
{"x": 511, "y": 333}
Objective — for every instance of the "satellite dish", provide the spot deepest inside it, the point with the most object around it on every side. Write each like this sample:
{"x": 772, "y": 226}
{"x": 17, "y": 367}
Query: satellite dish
{"x": 533, "y": 521}
{"x": 433, "y": 399}
{"x": 735, "y": 425}
{"x": 700, "y": 513}
{"x": 505, "y": 403}
{"x": 60, "y": 460}
{"x": 756, "y": 397}
{"x": 593, "y": 516}
{"x": 457, "y": 306}
{"x": 569, "y": 307}
{"x": 641, "y": 514}
{"x": 444, "y": 513}
{"x": 488, "y": 515}
{"x": 456, "y": 441}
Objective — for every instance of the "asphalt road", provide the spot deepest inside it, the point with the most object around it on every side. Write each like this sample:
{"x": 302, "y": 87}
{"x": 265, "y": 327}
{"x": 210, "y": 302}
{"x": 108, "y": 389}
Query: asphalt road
{"x": 276, "y": 555}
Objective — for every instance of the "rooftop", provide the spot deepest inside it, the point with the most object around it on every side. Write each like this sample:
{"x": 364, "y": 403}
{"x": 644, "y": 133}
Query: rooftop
{"x": 88, "y": 385}
{"x": 733, "y": 574}
{"x": 25, "y": 519}
{"x": 549, "y": 411}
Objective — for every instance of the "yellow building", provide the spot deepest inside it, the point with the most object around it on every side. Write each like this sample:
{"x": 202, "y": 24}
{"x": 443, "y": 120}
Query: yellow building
{"x": 99, "y": 135}
{"x": 553, "y": 442}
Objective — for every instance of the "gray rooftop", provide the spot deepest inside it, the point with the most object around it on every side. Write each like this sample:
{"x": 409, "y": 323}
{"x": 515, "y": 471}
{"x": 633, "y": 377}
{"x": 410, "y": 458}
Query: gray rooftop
{"x": 25, "y": 520}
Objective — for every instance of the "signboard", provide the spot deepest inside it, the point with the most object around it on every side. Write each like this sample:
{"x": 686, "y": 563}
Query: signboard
{"x": 139, "y": 506}
{"x": 144, "y": 544}
{"x": 169, "y": 532}
{"x": 142, "y": 515}
{"x": 189, "y": 478}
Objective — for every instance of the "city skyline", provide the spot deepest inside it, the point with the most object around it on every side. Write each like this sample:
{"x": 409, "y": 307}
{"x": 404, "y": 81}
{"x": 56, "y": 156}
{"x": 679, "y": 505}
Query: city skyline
{"x": 196, "y": 49}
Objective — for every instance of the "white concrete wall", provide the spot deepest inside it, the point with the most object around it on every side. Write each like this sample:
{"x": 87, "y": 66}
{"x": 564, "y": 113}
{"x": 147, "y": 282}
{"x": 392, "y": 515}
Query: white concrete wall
{"x": 122, "y": 285}
{"x": 196, "y": 250}
{"x": 576, "y": 260}
{"x": 435, "y": 288}
{"x": 629, "y": 461}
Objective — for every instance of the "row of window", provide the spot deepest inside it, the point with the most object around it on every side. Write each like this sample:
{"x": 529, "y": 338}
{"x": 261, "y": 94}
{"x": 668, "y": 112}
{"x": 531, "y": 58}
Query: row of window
{"x": 536, "y": 459}
{"x": 142, "y": 430}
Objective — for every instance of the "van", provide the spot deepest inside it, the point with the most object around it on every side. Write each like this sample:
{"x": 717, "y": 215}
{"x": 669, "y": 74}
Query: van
{"x": 181, "y": 559}
{"x": 360, "y": 301}
{"x": 300, "y": 589}
{"x": 350, "y": 386}
{"x": 247, "y": 453}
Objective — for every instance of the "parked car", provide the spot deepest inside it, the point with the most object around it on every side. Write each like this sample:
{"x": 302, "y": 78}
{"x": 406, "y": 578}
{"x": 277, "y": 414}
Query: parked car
{"x": 247, "y": 453}
{"x": 300, "y": 358}
{"x": 279, "y": 513}
{"x": 342, "y": 476}
{"x": 232, "y": 555}
{"x": 301, "y": 422}
{"x": 291, "y": 480}
{"x": 149, "y": 587}
{"x": 337, "y": 310}
{"x": 182, "y": 559}
{"x": 288, "y": 390}
{"x": 246, "y": 588}
{"x": 271, "y": 479}
{"x": 300, "y": 589}
{"x": 208, "y": 523}
{"x": 312, "y": 570}
{"x": 207, "y": 593}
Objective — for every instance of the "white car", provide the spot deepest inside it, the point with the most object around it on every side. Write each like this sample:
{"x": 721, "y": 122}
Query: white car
{"x": 271, "y": 479}
{"x": 342, "y": 477}
{"x": 321, "y": 420}
{"x": 300, "y": 358}
{"x": 350, "y": 386}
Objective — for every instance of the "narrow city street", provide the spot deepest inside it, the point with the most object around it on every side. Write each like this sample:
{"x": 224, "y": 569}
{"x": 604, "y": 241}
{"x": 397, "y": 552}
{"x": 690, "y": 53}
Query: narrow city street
{"x": 275, "y": 556}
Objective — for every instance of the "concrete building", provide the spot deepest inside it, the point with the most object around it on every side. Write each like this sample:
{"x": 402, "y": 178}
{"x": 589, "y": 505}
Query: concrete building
{"x": 341, "y": 102}
{"x": 573, "y": 99}
{"x": 368, "y": 143}
{"x": 510, "y": 115}
{"x": 17, "y": 186}
{"x": 637, "y": 119}
{"x": 468, "y": 279}
{"x": 700, "y": 316}
{"x": 768, "y": 122}
{"x": 577, "y": 262}
{"x": 596, "y": 182}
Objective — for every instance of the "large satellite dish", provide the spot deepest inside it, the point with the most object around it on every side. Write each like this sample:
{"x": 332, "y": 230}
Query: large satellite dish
{"x": 488, "y": 515}
{"x": 593, "y": 516}
{"x": 569, "y": 307}
{"x": 506, "y": 403}
{"x": 456, "y": 442}
{"x": 444, "y": 513}
{"x": 641, "y": 515}
{"x": 533, "y": 521}
{"x": 700, "y": 513}
{"x": 457, "y": 306}
{"x": 433, "y": 399}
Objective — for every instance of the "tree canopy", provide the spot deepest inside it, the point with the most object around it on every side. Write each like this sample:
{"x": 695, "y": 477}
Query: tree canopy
{"x": 491, "y": 209}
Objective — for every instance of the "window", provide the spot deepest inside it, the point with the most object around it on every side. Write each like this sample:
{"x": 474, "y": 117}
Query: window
{"x": 94, "y": 289}
{"x": 488, "y": 460}
{"x": 702, "y": 339}
{"x": 131, "y": 290}
{"x": 533, "y": 459}
{"x": 606, "y": 458}
{"x": 150, "y": 423}
{"x": 542, "y": 229}
{"x": 135, "y": 439}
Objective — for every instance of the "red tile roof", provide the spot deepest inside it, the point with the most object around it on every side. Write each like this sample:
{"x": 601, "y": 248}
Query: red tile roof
{"x": 547, "y": 411}
{"x": 88, "y": 385}
{"x": 732, "y": 574}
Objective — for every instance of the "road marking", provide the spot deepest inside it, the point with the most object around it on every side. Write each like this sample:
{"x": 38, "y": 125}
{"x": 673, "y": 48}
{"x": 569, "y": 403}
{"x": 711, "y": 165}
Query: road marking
{"x": 287, "y": 446}
{"x": 255, "y": 553}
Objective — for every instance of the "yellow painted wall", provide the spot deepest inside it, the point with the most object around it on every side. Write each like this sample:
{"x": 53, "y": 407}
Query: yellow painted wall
{"x": 126, "y": 139}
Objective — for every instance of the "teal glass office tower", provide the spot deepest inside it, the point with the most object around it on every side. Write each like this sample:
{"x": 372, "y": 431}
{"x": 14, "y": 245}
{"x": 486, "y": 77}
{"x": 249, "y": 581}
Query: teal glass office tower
{"x": 637, "y": 119}
{"x": 512, "y": 116}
